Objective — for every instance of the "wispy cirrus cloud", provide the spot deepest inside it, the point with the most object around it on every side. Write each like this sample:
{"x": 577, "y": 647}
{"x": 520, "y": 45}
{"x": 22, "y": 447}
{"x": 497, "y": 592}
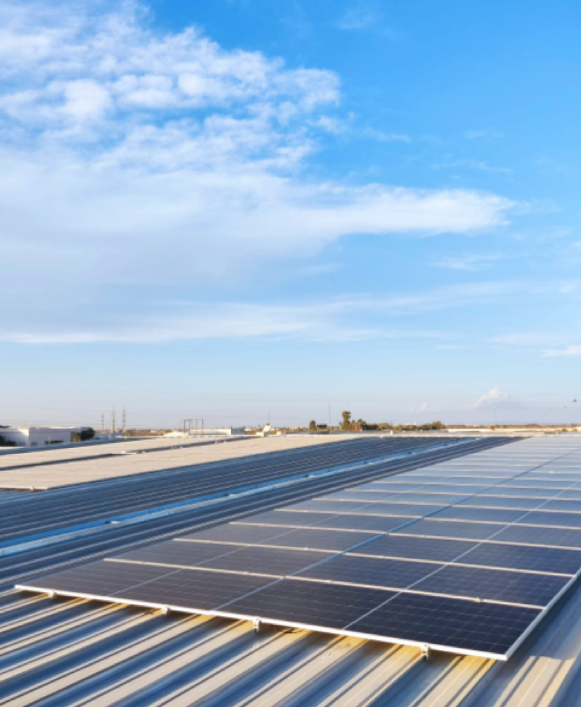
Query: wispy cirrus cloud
{"x": 572, "y": 350}
{"x": 473, "y": 262}
{"x": 366, "y": 16}
{"x": 348, "y": 318}
{"x": 547, "y": 344}
{"x": 472, "y": 164}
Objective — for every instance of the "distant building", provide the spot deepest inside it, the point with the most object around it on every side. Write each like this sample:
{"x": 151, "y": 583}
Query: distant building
{"x": 39, "y": 436}
{"x": 207, "y": 431}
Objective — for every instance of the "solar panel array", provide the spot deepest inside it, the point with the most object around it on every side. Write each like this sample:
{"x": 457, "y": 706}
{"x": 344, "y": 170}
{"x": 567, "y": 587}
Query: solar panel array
{"x": 465, "y": 556}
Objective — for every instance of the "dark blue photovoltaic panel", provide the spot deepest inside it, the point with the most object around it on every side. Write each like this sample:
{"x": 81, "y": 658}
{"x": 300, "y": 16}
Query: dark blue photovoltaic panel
{"x": 497, "y": 585}
{"x": 481, "y": 627}
{"x": 537, "y": 485}
{"x": 565, "y": 520}
{"x": 370, "y": 571}
{"x": 547, "y": 537}
{"x": 101, "y": 578}
{"x": 389, "y": 486}
{"x": 561, "y": 504}
{"x": 319, "y": 539}
{"x": 319, "y": 505}
{"x": 193, "y": 589}
{"x": 310, "y": 603}
{"x": 425, "y": 497}
{"x": 185, "y": 553}
{"x": 230, "y": 533}
{"x": 522, "y": 557}
{"x": 573, "y": 495}
{"x": 378, "y": 524}
{"x": 525, "y": 492}
{"x": 566, "y": 478}
{"x": 266, "y": 560}
{"x": 485, "y": 515}
{"x": 362, "y": 496}
{"x": 416, "y": 548}
{"x": 451, "y": 529}
{"x": 416, "y": 510}
{"x": 460, "y": 489}
{"x": 526, "y": 504}
{"x": 282, "y": 517}
{"x": 476, "y": 481}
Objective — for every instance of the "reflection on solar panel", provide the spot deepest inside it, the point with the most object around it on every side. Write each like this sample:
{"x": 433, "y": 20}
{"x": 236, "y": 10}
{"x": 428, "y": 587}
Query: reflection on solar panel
{"x": 463, "y": 556}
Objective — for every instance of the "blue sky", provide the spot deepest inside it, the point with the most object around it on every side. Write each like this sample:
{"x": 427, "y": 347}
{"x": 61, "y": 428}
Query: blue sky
{"x": 216, "y": 209}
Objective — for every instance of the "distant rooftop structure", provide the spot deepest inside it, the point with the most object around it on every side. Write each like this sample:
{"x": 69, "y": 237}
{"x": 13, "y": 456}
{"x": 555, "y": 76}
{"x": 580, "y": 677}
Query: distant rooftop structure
{"x": 206, "y": 432}
{"x": 39, "y": 436}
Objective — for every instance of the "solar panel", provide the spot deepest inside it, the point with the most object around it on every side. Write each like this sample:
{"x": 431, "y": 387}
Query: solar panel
{"x": 451, "y": 529}
{"x": 416, "y": 510}
{"x": 468, "y": 626}
{"x": 562, "y": 505}
{"x": 379, "y": 524}
{"x": 266, "y": 560}
{"x": 523, "y": 588}
{"x": 180, "y": 554}
{"x": 320, "y": 539}
{"x": 196, "y": 590}
{"x": 415, "y": 548}
{"x": 555, "y": 518}
{"x": 502, "y": 502}
{"x": 243, "y": 535}
{"x": 544, "y": 537}
{"x": 314, "y": 604}
{"x": 370, "y": 571}
{"x": 465, "y": 557}
{"x": 486, "y": 515}
{"x": 538, "y": 559}
{"x": 301, "y": 519}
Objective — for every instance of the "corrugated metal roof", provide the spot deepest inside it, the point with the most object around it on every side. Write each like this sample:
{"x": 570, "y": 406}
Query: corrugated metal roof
{"x": 75, "y": 652}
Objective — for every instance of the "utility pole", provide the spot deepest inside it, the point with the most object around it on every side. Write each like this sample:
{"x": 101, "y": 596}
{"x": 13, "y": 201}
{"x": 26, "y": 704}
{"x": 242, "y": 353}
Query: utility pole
{"x": 102, "y": 423}
{"x": 123, "y": 421}
{"x": 112, "y": 421}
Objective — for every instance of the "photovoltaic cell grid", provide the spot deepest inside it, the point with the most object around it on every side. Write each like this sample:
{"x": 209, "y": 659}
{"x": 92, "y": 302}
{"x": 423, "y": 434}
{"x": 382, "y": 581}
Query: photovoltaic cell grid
{"x": 465, "y": 556}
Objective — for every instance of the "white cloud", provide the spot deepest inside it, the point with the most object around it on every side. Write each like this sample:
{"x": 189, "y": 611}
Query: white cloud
{"x": 358, "y": 18}
{"x": 573, "y": 350}
{"x": 486, "y": 134}
{"x": 480, "y": 165}
{"x": 325, "y": 321}
{"x": 494, "y": 396}
{"x": 548, "y": 344}
{"x": 365, "y": 16}
{"x": 469, "y": 263}
{"x": 134, "y": 163}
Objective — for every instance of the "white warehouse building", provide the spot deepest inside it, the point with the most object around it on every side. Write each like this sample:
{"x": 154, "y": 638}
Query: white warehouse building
{"x": 39, "y": 436}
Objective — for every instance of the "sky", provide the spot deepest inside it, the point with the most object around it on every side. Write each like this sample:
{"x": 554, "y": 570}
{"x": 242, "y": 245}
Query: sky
{"x": 240, "y": 210}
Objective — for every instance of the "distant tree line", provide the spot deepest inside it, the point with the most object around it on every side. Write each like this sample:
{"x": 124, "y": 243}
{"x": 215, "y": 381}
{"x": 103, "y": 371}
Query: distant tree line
{"x": 84, "y": 435}
{"x": 3, "y": 441}
{"x": 347, "y": 424}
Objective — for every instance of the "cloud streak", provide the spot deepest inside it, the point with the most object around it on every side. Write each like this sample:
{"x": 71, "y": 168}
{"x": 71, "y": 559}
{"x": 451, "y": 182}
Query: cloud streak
{"x": 347, "y": 319}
